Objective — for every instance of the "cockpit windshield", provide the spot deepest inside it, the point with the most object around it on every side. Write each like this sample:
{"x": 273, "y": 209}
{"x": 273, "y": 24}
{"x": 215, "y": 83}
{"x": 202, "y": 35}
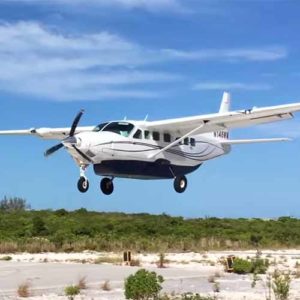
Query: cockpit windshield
{"x": 122, "y": 128}
{"x": 100, "y": 127}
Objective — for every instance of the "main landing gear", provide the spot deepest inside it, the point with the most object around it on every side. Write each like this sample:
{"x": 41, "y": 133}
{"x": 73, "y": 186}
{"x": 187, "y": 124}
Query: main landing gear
{"x": 107, "y": 186}
{"x": 180, "y": 183}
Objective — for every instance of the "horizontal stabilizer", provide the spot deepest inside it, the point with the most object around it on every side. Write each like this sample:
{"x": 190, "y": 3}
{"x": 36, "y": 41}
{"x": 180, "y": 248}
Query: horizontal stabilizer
{"x": 253, "y": 141}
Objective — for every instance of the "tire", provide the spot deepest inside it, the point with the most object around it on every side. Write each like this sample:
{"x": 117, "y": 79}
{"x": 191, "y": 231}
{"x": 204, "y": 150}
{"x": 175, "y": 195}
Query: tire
{"x": 180, "y": 184}
{"x": 107, "y": 186}
{"x": 83, "y": 184}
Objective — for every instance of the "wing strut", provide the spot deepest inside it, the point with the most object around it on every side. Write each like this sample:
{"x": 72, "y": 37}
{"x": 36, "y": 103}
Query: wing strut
{"x": 178, "y": 140}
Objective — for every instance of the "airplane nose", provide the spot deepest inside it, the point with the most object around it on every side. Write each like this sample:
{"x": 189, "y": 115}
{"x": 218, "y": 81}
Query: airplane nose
{"x": 70, "y": 140}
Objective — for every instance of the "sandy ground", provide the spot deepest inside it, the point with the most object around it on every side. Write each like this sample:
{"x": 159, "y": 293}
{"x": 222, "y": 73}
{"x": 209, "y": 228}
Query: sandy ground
{"x": 49, "y": 273}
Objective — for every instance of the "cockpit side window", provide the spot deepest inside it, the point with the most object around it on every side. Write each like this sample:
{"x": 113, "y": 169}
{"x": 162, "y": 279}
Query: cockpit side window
{"x": 100, "y": 127}
{"x": 122, "y": 128}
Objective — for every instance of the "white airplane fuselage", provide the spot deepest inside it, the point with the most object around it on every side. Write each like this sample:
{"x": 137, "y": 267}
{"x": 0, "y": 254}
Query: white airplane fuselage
{"x": 126, "y": 156}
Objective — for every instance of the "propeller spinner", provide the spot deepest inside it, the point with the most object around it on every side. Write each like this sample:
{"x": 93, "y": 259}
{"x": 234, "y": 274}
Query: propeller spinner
{"x": 70, "y": 139}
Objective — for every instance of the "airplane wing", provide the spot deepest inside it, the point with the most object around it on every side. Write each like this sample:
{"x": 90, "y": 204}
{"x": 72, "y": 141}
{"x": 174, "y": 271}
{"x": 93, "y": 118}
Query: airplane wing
{"x": 47, "y": 133}
{"x": 227, "y": 120}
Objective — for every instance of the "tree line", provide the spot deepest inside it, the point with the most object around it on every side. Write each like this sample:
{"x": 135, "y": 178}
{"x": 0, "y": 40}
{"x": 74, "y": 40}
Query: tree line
{"x": 22, "y": 229}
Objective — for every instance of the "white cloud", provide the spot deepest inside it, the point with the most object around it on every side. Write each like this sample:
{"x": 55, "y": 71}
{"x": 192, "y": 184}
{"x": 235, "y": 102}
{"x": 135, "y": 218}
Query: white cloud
{"x": 230, "y": 86}
{"x": 239, "y": 54}
{"x": 149, "y": 5}
{"x": 46, "y": 63}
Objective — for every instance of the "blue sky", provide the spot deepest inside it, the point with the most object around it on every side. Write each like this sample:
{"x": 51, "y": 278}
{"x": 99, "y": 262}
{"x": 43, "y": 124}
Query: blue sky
{"x": 164, "y": 59}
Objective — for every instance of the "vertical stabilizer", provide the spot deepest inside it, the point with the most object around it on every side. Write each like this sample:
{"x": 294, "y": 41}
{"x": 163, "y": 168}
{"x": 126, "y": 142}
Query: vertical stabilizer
{"x": 225, "y": 104}
{"x": 225, "y": 107}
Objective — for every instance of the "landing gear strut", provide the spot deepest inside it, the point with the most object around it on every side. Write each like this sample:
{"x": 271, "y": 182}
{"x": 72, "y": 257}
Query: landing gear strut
{"x": 107, "y": 186}
{"x": 83, "y": 183}
{"x": 180, "y": 184}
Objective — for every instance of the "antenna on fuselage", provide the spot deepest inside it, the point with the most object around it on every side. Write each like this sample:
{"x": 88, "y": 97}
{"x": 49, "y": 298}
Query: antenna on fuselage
{"x": 125, "y": 118}
{"x": 146, "y": 118}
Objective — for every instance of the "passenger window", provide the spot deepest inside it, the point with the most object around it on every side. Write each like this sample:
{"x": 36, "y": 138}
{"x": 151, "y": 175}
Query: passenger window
{"x": 180, "y": 143}
{"x": 186, "y": 141}
{"x": 167, "y": 137}
{"x": 193, "y": 142}
{"x": 138, "y": 134}
{"x": 147, "y": 134}
{"x": 155, "y": 135}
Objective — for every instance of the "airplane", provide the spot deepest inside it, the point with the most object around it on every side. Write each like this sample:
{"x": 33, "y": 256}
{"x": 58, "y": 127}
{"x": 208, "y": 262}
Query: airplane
{"x": 166, "y": 149}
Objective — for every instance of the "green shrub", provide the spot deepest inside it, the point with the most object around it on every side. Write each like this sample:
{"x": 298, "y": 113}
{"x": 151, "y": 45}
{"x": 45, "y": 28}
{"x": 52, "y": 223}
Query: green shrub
{"x": 190, "y": 296}
{"x": 6, "y": 257}
{"x": 259, "y": 266}
{"x": 143, "y": 285}
{"x": 72, "y": 290}
{"x": 242, "y": 266}
{"x": 256, "y": 265}
{"x": 281, "y": 285}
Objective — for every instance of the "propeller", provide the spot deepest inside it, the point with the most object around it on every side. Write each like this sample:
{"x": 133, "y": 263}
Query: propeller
{"x": 69, "y": 139}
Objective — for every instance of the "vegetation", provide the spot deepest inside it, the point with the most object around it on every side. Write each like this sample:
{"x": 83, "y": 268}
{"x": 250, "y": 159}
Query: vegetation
{"x": 46, "y": 230}
{"x": 6, "y": 257}
{"x": 23, "y": 290}
{"x": 143, "y": 285}
{"x": 105, "y": 286}
{"x": 281, "y": 285}
{"x": 256, "y": 266}
{"x": 13, "y": 204}
{"x": 71, "y": 291}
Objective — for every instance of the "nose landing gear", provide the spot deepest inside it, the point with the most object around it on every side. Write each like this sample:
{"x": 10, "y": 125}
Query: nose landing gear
{"x": 83, "y": 183}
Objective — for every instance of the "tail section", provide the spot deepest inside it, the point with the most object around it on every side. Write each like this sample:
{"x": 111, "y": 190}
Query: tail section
{"x": 225, "y": 104}
{"x": 225, "y": 107}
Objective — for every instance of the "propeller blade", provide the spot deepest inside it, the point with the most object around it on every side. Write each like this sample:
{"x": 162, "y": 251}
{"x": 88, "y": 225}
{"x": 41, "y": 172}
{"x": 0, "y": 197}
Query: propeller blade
{"x": 82, "y": 154}
{"x": 75, "y": 122}
{"x": 53, "y": 149}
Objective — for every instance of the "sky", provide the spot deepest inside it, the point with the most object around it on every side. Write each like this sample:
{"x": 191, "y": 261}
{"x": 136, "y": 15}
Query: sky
{"x": 164, "y": 59}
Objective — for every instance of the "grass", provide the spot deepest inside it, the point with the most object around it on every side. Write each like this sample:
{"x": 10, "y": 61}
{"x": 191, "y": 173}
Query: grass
{"x": 23, "y": 290}
{"x": 82, "y": 283}
{"x": 105, "y": 286}
{"x": 108, "y": 259}
{"x": 135, "y": 263}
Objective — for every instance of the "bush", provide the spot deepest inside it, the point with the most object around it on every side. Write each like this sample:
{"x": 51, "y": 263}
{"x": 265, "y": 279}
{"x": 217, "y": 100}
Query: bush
{"x": 257, "y": 266}
{"x": 190, "y": 296}
{"x": 23, "y": 290}
{"x": 6, "y": 257}
{"x": 242, "y": 266}
{"x": 281, "y": 285}
{"x": 143, "y": 285}
{"x": 72, "y": 290}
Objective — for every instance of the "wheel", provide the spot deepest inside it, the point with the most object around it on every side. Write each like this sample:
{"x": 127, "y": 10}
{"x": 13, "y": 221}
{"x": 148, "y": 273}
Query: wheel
{"x": 83, "y": 184}
{"x": 180, "y": 184}
{"x": 107, "y": 186}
